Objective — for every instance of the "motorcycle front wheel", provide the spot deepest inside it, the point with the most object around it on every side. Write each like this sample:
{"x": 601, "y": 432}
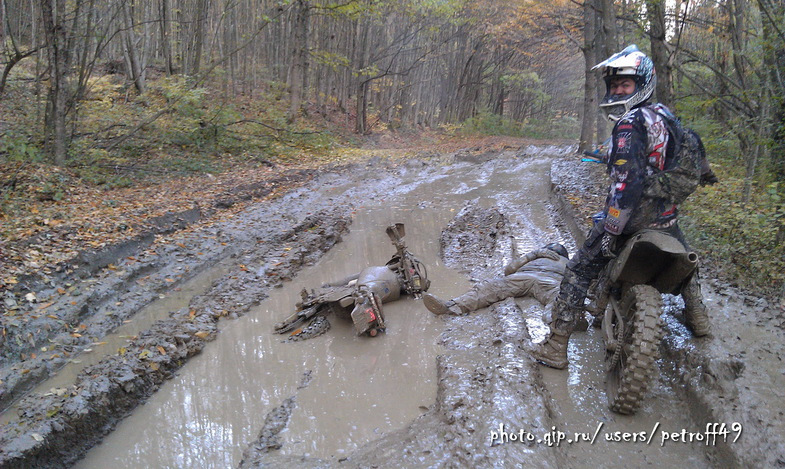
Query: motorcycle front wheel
{"x": 632, "y": 361}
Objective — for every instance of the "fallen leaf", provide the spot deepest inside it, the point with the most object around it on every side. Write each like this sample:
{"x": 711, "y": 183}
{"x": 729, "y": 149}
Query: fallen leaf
{"x": 202, "y": 334}
{"x": 154, "y": 366}
{"x": 162, "y": 350}
{"x": 61, "y": 290}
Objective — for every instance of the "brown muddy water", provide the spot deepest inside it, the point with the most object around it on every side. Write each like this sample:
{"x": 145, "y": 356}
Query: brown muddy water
{"x": 362, "y": 388}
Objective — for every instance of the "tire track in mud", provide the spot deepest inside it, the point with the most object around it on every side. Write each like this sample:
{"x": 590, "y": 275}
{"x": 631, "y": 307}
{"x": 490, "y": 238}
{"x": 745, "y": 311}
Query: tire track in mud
{"x": 55, "y": 430}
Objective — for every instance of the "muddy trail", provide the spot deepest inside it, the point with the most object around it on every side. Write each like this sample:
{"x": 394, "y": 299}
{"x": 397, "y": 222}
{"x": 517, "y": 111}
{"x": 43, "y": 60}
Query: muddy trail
{"x": 184, "y": 326}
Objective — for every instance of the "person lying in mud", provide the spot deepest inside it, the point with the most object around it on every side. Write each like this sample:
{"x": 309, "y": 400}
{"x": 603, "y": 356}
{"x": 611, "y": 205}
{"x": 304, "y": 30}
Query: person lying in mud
{"x": 538, "y": 274}
{"x": 359, "y": 296}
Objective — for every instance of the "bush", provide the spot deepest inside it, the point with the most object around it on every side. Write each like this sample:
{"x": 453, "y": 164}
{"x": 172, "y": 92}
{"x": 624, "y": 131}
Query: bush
{"x": 740, "y": 240}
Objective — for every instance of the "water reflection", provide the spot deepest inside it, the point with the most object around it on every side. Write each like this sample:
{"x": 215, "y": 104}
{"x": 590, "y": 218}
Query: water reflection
{"x": 361, "y": 388}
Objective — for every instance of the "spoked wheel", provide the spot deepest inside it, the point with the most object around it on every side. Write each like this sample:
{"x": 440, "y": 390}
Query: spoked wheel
{"x": 632, "y": 360}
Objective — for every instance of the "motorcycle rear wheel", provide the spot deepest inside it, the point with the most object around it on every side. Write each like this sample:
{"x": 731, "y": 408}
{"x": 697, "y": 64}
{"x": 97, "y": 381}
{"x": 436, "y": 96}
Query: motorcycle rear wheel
{"x": 632, "y": 369}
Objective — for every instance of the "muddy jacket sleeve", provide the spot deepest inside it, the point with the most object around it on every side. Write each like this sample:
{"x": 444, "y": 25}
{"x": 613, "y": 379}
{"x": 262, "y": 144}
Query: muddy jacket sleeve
{"x": 627, "y": 168}
{"x": 516, "y": 264}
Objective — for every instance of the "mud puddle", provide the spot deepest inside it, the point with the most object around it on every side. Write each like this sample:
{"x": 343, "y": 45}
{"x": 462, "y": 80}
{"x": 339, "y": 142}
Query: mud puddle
{"x": 361, "y": 388}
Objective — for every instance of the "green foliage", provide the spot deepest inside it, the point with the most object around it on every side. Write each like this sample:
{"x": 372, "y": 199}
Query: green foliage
{"x": 487, "y": 123}
{"x": 562, "y": 127}
{"x": 739, "y": 239}
{"x": 17, "y": 146}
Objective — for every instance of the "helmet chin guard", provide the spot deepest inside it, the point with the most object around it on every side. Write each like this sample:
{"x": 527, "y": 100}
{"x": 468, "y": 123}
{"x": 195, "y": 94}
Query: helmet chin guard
{"x": 629, "y": 63}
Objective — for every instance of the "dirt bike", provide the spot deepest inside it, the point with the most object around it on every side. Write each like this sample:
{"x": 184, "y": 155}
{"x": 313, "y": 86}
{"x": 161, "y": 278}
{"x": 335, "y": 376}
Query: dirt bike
{"x": 360, "y": 296}
{"x": 628, "y": 297}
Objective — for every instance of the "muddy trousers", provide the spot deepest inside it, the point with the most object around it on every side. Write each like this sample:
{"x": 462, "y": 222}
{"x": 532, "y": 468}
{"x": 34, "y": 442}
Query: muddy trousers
{"x": 586, "y": 265}
{"x": 540, "y": 286}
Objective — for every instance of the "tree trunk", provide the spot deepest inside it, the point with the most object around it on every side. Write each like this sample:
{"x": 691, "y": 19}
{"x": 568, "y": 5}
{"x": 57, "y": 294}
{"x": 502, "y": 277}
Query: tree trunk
{"x": 166, "y": 33}
{"x": 298, "y": 67}
{"x": 589, "y": 121}
{"x": 200, "y": 23}
{"x": 131, "y": 50}
{"x": 53, "y": 12}
{"x": 659, "y": 51}
{"x": 361, "y": 109}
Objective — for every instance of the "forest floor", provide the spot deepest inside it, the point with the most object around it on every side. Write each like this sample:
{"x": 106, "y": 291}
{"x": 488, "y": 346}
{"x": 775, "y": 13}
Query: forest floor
{"x": 79, "y": 264}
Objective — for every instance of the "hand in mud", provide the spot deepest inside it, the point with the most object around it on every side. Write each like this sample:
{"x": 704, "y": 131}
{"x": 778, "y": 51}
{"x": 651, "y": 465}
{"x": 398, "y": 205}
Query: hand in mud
{"x": 512, "y": 267}
{"x": 552, "y": 255}
{"x": 608, "y": 245}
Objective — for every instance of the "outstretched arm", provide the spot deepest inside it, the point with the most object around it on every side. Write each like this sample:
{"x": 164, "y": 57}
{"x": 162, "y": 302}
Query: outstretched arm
{"x": 516, "y": 264}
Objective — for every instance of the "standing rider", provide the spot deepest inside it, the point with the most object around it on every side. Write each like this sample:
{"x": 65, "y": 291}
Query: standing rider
{"x": 639, "y": 143}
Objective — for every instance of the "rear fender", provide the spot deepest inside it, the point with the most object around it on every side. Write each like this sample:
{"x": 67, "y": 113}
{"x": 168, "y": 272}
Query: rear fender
{"x": 654, "y": 258}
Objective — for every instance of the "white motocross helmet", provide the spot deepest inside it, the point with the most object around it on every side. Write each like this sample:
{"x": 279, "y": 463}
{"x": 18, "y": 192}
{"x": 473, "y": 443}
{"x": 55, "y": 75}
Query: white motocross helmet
{"x": 632, "y": 63}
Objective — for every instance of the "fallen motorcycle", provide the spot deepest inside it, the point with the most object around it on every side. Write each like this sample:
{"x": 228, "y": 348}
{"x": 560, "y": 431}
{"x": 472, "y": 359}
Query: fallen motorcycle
{"x": 628, "y": 297}
{"x": 360, "y": 296}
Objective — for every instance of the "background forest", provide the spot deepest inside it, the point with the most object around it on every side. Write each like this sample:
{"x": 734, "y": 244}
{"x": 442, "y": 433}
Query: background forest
{"x": 115, "y": 93}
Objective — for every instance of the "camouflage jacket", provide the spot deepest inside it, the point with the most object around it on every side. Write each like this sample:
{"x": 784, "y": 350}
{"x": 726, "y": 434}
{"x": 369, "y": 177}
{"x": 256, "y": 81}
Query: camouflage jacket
{"x": 638, "y": 152}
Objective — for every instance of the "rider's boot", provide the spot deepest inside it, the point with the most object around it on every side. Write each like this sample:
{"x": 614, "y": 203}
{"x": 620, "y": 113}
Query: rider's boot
{"x": 695, "y": 312}
{"x": 437, "y": 306}
{"x": 553, "y": 350}
{"x": 581, "y": 323}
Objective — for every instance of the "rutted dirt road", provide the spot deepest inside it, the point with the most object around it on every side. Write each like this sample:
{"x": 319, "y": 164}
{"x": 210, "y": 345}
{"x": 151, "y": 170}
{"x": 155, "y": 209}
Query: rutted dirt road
{"x": 430, "y": 392}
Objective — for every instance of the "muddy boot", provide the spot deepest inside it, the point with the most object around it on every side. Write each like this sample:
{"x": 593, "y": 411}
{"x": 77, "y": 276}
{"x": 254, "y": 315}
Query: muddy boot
{"x": 552, "y": 351}
{"x": 437, "y": 306}
{"x": 696, "y": 315}
{"x": 581, "y": 323}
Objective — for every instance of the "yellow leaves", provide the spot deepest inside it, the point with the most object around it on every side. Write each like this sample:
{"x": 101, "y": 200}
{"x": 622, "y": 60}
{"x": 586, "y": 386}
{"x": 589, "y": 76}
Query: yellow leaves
{"x": 202, "y": 334}
{"x": 154, "y": 366}
{"x": 161, "y": 350}
{"x": 144, "y": 354}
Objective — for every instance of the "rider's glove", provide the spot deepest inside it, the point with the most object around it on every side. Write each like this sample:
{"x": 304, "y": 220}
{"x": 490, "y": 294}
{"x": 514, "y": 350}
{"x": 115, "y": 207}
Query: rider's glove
{"x": 708, "y": 179}
{"x": 608, "y": 245}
